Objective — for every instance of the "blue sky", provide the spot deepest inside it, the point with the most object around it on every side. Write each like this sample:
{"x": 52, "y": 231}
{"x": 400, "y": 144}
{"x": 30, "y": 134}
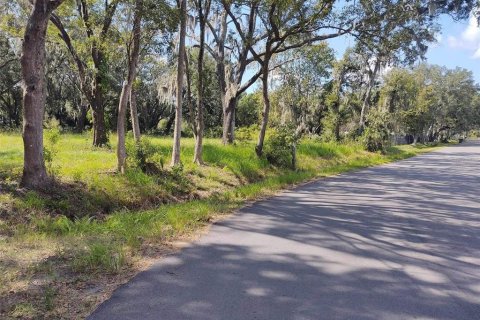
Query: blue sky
{"x": 458, "y": 46}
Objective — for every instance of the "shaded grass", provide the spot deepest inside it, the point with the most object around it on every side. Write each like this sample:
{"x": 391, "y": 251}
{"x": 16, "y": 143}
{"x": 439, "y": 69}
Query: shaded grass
{"x": 90, "y": 246}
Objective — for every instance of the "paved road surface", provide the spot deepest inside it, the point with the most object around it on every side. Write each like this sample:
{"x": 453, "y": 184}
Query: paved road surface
{"x": 400, "y": 241}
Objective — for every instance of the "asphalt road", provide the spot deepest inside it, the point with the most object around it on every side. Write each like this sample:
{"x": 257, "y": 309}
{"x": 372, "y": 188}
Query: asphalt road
{"x": 400, "y": 241}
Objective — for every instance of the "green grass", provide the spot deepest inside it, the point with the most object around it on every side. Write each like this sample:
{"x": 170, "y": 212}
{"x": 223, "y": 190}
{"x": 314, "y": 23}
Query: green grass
{"x": 99, "y": 221}
{"x": 233, "y": 175}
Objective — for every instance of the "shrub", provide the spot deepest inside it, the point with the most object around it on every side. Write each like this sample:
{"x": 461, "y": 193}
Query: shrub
{"x": 162, "y": 126}
{"x": 280, "y": 147}
{"x": 247, "y": 112}
{"x": 52, "y": 137}
{"x": 245, "y": 134}
{"x": 474, "y": 134}
{"x": 214, "y": 132}
{"x": 376, "y": 136}
{"x": 143, "y": 155}
{"x": 187, "y": 131}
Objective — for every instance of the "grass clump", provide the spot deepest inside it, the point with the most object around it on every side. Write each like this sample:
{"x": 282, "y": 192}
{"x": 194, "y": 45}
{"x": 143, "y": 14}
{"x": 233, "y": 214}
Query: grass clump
{"x": 100, "y": 256}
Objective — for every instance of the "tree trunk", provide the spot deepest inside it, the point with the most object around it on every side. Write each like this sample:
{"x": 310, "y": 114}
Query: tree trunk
{"x": 200, "y": 125}
{"x": 180, "y": 77}
{"x": 34, "y": 94}
{"x": 337, "y": 128}
{"x": 294, "y": 156}
{"x": 230, "y": 104}
{"x": 415, "y": 140}
{"x": 81, "y": 118}
{"x": 134, "y": 115}
{"x": 99, "y": 129}
{"x": 122, "y": 112}
{"x": 127, "y": 87}
{"x": 266, "y": 107}
{"x": 368, "y": 93}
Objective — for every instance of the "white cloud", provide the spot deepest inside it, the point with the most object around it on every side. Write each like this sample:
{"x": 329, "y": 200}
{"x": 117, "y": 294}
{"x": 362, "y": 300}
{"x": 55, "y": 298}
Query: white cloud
{"x": 472, "y": 33}
{"x": 469, "y": 39}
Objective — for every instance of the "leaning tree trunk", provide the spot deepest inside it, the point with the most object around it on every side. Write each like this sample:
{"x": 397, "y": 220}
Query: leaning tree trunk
{"x": 127, "y": 87}
{"x": 266, "y": 105}
{"x": 180, "y": 77}
{"x": 34, "y": 93}
{"x": 134, "y": 115}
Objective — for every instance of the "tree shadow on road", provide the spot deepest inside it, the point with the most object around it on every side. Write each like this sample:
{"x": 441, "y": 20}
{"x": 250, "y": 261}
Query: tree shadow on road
{"x": 400, "y": 241}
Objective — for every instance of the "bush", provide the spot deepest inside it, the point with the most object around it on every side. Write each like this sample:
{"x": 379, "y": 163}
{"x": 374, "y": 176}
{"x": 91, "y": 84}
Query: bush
{"x": 187, "y": 131}
{"x": 214, "y": 132}
{"x": 474, "y": 134}
{"x": 143, "y": 155}
{"x": 280, "y": 147}
{"x": 247, "y": 112}
{"x": 376, "y": 136}
{"x": 245, "y": 134}
{"x": 162, "y": 127}
{"x": 330, "y": 123}
{"x": 52, "y": 137}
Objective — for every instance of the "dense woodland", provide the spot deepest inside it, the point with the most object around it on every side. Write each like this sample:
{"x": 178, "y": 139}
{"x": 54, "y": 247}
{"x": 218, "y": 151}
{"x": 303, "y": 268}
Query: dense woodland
{"x": 231, "y": 70}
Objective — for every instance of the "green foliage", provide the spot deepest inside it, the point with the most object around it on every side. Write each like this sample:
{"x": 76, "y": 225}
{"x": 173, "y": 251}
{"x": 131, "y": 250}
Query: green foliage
{"x": 431, "y": 102}
{"x": 162, "y": 126}
{"x": 143, "y": 155}
{"x": 475, "y": 134}
{"x": 376, "y": 136}
{"x": 52, "y": 136}
{"x": 331, "y": 125}
{"x": 305, "y": 74}
{"x": 248, "y": 109}
{"x": 178, "y": 172}
{"x": 280, "y": 146}
{"x": 187, "y": 131}
{"x": 247, "y": 134}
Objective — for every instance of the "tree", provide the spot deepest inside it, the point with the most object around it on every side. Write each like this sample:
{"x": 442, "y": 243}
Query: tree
{"x": 303, "y": 79}
{"x": 430, "y": 103}
{"x": 95, "y": 88}
{"x": 289, "y": 25}
{"x": 231, "y": 52}
{"x": 203, "y": 9}
{"x": 180, "y": 80}
{"x": 133, "y": 56}
{"x": 399, "y": 34}
{"x": 10, "y": 79}
{"x": 34, "y": 93}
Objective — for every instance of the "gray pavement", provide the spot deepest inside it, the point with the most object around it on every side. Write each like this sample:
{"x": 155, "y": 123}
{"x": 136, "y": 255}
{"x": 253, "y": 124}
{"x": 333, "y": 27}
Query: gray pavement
{"x": 400, "y": 241}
